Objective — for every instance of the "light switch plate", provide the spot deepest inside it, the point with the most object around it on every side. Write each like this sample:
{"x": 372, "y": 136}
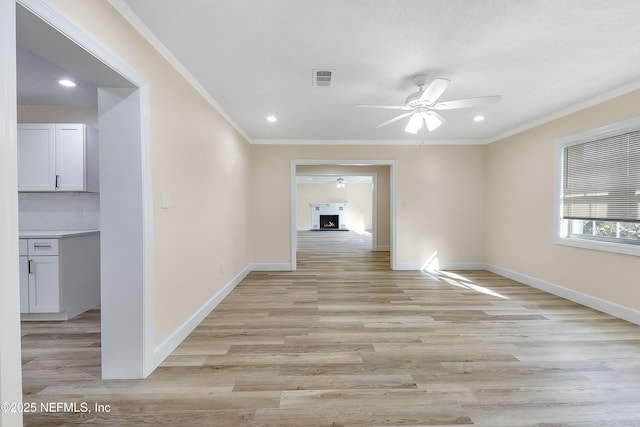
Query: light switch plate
{"x": 165, "y": 200}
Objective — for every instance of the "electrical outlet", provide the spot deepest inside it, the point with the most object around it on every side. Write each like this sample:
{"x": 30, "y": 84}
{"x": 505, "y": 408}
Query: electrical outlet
{"x": 221, "y": 268}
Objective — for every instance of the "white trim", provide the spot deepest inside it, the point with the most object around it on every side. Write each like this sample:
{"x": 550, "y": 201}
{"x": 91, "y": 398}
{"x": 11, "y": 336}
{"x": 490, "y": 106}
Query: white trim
{"x": 271, "y": 266}
{"x": 169, "y": 344}
{"x": 367, "y": 142}
{"x": 315, "y": 162}
{"x": 53, "y": 17}
{"x": 130, "y": 16}
{"x": 624, "y": 126}
{"x": 581, "y": 298}
{"x": 293, "y": 215}
{"x": 560, "y": 231}
{"x": 382, "y": 248}
{"x": 623, "y": 90}
{"x": 57, "y": 20}
{"x": 10, "y": 362}
{"x": 414, "y": 266}
{"x": 608, "y": 307}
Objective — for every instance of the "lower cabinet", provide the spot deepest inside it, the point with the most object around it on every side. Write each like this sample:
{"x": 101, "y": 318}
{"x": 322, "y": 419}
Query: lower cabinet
{"x": 44, "y": 284}
{"x": 59, "y": 278}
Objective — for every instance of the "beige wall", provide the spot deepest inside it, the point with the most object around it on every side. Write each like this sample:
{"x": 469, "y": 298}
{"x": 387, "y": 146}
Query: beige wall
{"x": 520, "y": 210}
{"x": 439, "y": 192}
{"x": 201, "y": 242}
{"x": 358, "y": 196}
{"x": 57, "y": 114}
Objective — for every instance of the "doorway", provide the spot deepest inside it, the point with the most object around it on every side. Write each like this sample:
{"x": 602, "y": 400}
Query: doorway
{"x": 384, "y": 211}
{"x": 125, "y": 183}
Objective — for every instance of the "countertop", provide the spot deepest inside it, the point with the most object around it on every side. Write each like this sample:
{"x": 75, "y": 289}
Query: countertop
{"x": 53, "y": 234}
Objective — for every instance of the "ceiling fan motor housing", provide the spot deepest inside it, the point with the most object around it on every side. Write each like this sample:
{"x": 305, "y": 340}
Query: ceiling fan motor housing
{"x": 414, "y": 101}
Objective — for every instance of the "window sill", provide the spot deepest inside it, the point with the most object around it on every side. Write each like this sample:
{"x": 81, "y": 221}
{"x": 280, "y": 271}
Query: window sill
{"x": 597, "y": 245}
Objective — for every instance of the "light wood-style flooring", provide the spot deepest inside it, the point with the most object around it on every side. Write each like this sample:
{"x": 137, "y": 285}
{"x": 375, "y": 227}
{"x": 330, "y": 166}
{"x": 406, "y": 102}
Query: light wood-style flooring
{"x": 344, "y": 341}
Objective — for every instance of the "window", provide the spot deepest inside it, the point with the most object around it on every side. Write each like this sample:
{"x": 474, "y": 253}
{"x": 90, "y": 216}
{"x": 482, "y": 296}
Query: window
{"x": 598, "y": 189}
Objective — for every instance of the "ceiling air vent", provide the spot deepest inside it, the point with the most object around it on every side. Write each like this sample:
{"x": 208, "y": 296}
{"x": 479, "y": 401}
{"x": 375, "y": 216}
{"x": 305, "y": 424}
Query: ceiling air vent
{"x": 322, "y": 78}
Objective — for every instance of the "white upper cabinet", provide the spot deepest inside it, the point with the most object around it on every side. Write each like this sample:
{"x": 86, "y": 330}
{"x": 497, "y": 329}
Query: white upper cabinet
{"x": 36, "y": 157}
{"x": 57, "y": 157}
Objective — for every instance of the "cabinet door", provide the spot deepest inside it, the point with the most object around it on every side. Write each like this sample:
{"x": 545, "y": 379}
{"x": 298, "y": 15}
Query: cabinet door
{"x": 44, "y": 284}
{"x": 36, "y": 157}
{"x": 70, "y": 157}
{"x": 24, "y": 284}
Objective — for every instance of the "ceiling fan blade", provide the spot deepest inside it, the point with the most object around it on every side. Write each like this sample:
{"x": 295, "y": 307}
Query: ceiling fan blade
{"x": 435, "y": 89}
{"x": 467, "y": 103}
{"x": 395, "y": 119}
{"x": 387, "y": 107}
{"x": 442, "y": 119}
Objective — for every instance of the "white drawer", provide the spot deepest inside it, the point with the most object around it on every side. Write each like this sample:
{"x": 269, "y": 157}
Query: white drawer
{"x": 23, "y": 247}
{"x": 43, "y": 246}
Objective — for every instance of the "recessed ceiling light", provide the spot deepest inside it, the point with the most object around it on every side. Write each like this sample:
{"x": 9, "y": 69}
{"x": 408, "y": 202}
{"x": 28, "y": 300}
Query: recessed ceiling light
{"x": 478, "y": 118}
{"x": 272, "y": 119}
{"x": 67, "y": 83}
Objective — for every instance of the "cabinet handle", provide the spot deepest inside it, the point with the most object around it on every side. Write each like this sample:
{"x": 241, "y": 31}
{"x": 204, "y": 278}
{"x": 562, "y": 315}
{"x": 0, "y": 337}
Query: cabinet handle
{"x": 57, "y": 181}
{"x": 29, "y": 267}
{"x": 35, "y": 245}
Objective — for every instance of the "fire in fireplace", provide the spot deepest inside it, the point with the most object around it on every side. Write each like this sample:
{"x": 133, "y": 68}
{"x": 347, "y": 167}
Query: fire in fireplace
{"x": 329, "y": 222}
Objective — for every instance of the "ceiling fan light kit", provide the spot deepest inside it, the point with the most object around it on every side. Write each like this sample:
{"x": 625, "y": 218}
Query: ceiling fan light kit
{"x": 421, "y": 104}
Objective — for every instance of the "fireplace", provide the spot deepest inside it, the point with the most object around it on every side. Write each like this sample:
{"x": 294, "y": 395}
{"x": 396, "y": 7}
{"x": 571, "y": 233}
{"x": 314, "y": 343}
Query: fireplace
{"x": 329, "y": 222}
{"x": 328, "y": 216}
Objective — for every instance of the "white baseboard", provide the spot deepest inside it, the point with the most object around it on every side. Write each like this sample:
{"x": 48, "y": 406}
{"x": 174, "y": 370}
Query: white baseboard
{"x": 383, "y": 248}
{"x": 450, "y": 266}
{"x": 599, "y": 304}
{"x": 165, "y": 348}
{"x": 266, "y": 266}
{"x": 614, "y": 309}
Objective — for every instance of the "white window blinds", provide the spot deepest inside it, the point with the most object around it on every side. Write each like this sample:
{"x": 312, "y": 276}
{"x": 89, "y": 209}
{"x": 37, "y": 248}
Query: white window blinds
{"x": 601, "y": 179}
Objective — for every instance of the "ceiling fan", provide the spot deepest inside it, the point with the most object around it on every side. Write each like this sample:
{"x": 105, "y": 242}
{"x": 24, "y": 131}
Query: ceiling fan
{"x": 422, "y": 106}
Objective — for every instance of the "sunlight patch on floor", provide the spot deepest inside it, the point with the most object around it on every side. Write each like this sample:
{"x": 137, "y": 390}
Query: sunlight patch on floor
{"x": 432, "y": 268}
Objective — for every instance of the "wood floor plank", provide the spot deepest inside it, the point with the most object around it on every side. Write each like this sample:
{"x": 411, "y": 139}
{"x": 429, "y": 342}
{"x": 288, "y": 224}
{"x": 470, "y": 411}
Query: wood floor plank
{"x": 344, "y": 341}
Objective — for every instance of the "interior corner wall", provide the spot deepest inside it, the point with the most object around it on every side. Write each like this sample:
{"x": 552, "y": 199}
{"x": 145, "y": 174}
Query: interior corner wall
{"x": 440, "y": 210}
{"x": 520, "y": 196}
{"x": 200, "y": 241}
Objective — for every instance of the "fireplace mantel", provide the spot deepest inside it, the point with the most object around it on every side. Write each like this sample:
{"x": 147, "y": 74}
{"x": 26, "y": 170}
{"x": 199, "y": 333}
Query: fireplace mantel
{"x": 319, "y": 209}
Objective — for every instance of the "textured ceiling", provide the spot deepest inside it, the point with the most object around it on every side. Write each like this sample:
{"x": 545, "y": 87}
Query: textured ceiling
{"x": 255, "y": 58}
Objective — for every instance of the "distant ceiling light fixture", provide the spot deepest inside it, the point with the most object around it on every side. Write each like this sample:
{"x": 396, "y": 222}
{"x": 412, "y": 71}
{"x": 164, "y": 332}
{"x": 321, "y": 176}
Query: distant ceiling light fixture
{"x": 478, "y": 118}
{"x": 66, "y": 83}
{"x": 340, "y": 183}
{"x": 272, "y": 119}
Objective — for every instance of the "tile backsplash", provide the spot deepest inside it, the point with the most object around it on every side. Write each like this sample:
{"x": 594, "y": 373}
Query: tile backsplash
{"x": 59, "y": 211}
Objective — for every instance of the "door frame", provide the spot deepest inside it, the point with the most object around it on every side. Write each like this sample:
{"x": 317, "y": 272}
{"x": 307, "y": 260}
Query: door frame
{"x": 134, "y": 358}
{"x": 324, "y": 162}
